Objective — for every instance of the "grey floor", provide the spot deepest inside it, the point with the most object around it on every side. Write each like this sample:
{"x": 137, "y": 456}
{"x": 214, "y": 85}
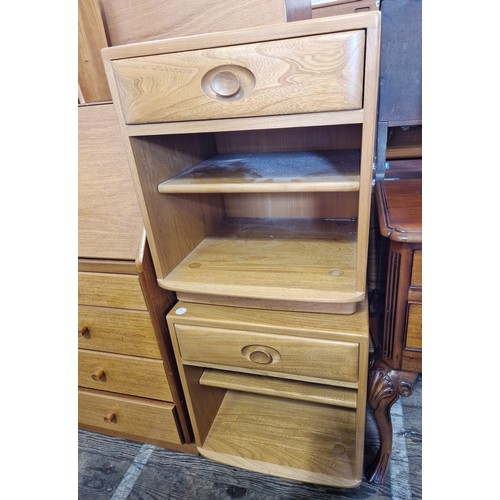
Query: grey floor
{"x": 111, "y": 468}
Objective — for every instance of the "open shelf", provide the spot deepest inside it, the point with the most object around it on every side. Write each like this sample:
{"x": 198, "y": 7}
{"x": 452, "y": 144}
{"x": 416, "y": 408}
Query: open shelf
{"x": 293, "y": 439}
{"x": 283, "y": 388}
{"x": 310, "y": 260}
{"x": 312, "y": 171}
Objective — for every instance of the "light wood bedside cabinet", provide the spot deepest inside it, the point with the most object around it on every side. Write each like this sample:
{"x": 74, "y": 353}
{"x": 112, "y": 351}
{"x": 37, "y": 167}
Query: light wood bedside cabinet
{"x": 128, "y": 382}
{"x": 251, "y": 153}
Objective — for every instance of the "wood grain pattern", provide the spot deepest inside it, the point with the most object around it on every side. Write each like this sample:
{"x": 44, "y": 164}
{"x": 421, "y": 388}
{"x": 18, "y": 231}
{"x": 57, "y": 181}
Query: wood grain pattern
{"x": 302, "y": 391}
{"x": 276, "y": 259}
{"x": 414, "y": 326}
{"x": 145, "y": 20}
{"x": 118, "y": 331}
{"x": 306, "y": 171}
{"x": 110, "y": 290}
{"x": 138, "y": 418}
{"x": 399, "y": 205}
{"x": 416, "y": 269}
{"x": 109, "y": 219}
{"x": 321, "y": 451}
{"x": 309, "y": 357}
{"x": 277, "y": 77}
{"x": 92, "y": 83}
{"x": 124, "y": 374}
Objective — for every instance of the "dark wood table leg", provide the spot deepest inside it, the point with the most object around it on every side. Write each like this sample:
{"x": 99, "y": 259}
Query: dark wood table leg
{"x": 385, "y": 386}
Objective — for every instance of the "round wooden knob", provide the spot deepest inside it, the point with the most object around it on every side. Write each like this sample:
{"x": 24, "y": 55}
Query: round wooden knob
{"x": 261, "y": 357}
{"x": 84, "y": 331}
{"x": 98, "y": 375}
{"x": 225, "y": 83}
{"x": 110, "y": 418}
{"x": 261, "y": 354}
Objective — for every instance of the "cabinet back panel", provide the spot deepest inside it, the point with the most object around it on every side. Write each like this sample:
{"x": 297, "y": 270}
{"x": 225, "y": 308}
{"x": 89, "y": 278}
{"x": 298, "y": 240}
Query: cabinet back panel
{"x": 295, "y": 205}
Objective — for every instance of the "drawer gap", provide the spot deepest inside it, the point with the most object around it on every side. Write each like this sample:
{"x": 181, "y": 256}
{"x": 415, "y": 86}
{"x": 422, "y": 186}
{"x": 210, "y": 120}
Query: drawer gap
{"x": 259, "y": 384}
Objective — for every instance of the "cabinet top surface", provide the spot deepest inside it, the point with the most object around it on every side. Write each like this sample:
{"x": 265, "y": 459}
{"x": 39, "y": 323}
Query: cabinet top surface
{"x": 399, "y": 207}
{"x": 247, "y": 35}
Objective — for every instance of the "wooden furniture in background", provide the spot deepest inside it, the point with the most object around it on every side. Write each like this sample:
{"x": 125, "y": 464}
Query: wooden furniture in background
{"x": 282, "y": 393}
{"x": 127, "y": 377}
{"x": 251, "y": 153}
{"x": 338, "y": 7}
{"x": 398, "y": 354}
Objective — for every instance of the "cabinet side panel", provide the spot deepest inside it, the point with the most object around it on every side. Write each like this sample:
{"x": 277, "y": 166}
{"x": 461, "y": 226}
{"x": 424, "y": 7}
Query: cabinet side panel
{"x": 178, "y": 222}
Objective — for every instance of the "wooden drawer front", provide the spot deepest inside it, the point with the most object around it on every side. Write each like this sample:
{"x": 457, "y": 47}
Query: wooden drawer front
{"x": 136, "y": 417}
{"x": 110, "y": 290}
{"x": 274, "y": 353}
{"x": 123, "y": 374}
{"x": 414, "y": 326}
{"x": 416, "y": 269}
{"x": 117, "y": 330}
{"x": 296, "y": 75}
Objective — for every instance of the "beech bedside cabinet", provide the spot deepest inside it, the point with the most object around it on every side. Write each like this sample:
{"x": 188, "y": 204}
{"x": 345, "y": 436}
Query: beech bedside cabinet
{"x": 251, "y": 153}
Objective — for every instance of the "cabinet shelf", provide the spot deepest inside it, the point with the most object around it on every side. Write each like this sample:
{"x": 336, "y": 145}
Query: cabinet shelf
{"x": 255, "y": 432}
{"x": 274, "y": 259}
{"x": 310, "y": 171}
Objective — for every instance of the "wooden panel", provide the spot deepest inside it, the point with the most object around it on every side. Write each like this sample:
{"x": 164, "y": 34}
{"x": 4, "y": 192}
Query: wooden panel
{"x": 414, "y": 326}
{"x": 416, "y": 270}
{"x": 352, "y": 328}
{"x": 92, "y": 83}
{"x": 292, "y": 205}
{"x": 298, "y": 440}
{"x": 273, "y": 353}
{"x": 136, "y": 417}
{"x": 276, "y": 259}
{"x": 341, "y": 7}
{"x": 291, "y": 389}
{"x": 399, "y": 206}
{"x": 117, "y": 330}
{"x": 123, "y": 374}
{"x": 142, "y": 20}
{"x": 110, "y": 290}
{"x": 269, "y": 78}
{"x": 307, "y": 171}
{"x": 109, "y": 220}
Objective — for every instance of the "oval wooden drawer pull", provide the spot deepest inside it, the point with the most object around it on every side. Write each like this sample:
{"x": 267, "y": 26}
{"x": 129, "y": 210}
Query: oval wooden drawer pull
{"x": 225, "y": 83}
{"x": 110, "y": 418}
{"x": 99, "y": 375}
{"x": 261, "y": 354}
{"x": 84, "y": 331}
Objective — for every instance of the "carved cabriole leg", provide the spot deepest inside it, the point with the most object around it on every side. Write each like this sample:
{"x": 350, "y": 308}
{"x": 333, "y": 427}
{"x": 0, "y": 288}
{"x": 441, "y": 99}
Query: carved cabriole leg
{"x": 385, "y": 385}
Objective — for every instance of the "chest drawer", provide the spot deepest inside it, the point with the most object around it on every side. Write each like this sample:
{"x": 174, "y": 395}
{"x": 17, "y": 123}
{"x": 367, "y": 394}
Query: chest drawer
{"x": 414, "y": 326}
{"x": 110, "y": 290}
{"x": 299, "y": 356}
{"x": 137, "y": 418}
{"x": 123, "y": 374}
{"x": 119, "y": 331}
{"x": 416, "y": 268}
{"x": 294, "y": 75}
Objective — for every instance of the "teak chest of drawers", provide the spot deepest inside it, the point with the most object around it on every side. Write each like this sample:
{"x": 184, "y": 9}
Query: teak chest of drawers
{"x": 127, "y": 378}
{"x": 251, "y": 153}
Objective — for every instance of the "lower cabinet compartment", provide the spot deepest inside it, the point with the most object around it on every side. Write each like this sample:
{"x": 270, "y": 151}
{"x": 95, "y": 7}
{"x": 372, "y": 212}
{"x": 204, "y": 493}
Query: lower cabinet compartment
{"x": 292, "y": 439}
{"x": 301, "y": 431}
{"x": 131, "y": 417}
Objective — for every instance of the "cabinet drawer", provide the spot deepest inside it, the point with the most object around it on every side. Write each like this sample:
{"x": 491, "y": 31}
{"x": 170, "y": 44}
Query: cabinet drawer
{"x": 120, "y": 331}
{"x": 416, "y": 269}
{"x": 137, "y": 418}
{"x": 110, "y": 290}
{"x": 295, "y": 75}
{"x": 123, "y": 374}
{"x": 414, "y": 326}
{"x": 305, "y": 357}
